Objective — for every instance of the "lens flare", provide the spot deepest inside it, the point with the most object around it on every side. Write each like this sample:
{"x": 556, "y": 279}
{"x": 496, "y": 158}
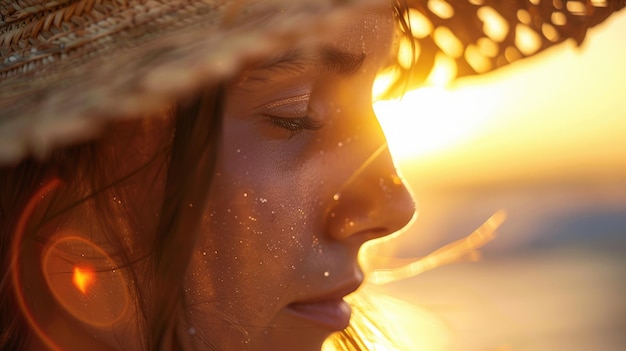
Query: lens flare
{"x": 83, "y": 278}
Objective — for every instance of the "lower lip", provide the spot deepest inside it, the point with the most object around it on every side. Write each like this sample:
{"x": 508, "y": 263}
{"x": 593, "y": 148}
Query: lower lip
{"x": 331, "y": 314}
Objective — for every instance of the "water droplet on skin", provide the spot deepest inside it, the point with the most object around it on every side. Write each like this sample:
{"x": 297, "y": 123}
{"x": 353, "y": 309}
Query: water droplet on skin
{"x": 192, "y": 331}
{"x": 332, "y": 215}
{"x": 327, "y": 274}
{"x": 395, "y": 179}
{"x": 238, "y": 150}
{"x": 351, "y": 224}
{"x": 262, "y": 200}
{"x": 340, "y": 144}
{"x": 336, "y": 196}
{"x": 203, "y": 253}
{"x": 245, "y": 194}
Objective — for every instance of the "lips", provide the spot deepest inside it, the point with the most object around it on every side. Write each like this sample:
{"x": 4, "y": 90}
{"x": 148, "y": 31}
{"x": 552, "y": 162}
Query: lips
{"x": 329, "y": 311}
{"x": 331, "y": 314}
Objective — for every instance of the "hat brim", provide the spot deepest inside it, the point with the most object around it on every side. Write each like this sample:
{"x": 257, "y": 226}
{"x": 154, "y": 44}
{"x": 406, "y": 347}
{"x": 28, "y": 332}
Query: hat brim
{"x": 133, "y": 62}
{"x": 134, "y": 69}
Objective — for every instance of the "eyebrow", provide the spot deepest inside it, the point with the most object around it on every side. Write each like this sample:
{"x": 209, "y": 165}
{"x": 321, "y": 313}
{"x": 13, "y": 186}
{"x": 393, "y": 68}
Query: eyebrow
{"x": 342, "y": 62}
{"x": 330, "y": 59}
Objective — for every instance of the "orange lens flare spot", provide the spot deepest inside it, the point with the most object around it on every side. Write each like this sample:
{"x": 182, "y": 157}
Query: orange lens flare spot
{"x": 83, "y": 278}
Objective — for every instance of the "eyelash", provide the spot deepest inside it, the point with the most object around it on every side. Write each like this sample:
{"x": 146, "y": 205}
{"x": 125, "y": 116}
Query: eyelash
{"x": 294, "y": 125}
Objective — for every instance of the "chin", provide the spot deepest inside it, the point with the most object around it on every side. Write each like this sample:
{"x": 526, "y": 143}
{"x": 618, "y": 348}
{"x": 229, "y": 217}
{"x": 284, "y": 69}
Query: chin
{"x": 290, "y": 339}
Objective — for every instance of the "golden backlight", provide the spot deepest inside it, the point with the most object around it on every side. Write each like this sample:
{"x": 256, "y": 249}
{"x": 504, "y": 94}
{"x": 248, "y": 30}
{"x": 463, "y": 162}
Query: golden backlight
{"x": 562, "y": 112}
{"x": 555, "y": 119}
{"x": 431, "y": 120}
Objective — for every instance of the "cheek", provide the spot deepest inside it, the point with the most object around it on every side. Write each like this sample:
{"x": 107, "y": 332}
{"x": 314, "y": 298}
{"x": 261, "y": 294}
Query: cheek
{"x": 256, "y": 232}
{"x": 260, "y": 211}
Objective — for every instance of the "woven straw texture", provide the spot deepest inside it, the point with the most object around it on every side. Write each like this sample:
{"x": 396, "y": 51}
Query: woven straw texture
{"x": 478, "y": 36}
{"x": 67, "y": 66}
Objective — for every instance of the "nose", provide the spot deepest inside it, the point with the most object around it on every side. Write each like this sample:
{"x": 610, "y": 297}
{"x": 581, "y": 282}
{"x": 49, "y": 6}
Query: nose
{"x": 372, "y": 203}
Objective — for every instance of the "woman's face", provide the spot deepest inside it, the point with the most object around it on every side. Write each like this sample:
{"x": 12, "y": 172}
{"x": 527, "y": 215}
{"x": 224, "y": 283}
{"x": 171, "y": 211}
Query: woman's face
{"x": 303, "y": 180}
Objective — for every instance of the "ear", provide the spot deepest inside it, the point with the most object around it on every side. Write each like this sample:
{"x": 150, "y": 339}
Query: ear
{"x": 69, "y": 290}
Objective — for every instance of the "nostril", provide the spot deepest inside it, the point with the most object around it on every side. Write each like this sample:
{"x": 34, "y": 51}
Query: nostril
{"x": 368, "y": 217}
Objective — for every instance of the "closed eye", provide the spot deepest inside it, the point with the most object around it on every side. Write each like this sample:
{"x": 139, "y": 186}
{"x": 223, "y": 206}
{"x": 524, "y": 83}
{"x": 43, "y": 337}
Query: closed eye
{"x": 294, "y": 125}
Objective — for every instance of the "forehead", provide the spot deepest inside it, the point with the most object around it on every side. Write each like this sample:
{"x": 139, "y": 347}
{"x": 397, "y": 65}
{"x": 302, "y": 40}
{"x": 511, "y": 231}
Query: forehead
{"x": 366, "y": 38}
{"x": 368, "y": 33}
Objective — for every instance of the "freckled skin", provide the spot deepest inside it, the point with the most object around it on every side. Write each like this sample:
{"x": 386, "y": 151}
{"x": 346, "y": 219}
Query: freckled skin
{"x": 289, "y": 211}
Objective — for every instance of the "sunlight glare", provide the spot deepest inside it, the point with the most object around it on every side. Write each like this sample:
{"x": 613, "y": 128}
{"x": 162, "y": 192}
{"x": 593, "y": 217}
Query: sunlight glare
{"x": 430, "y": 119}
{"x": 443, "y": 72}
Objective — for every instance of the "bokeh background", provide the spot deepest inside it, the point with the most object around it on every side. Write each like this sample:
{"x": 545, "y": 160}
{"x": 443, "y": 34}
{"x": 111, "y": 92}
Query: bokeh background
{"x": 545, "y": 140}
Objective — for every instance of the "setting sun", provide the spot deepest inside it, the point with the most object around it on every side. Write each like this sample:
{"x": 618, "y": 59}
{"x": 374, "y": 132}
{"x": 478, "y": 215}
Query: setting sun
{"x": 431, "y": 119}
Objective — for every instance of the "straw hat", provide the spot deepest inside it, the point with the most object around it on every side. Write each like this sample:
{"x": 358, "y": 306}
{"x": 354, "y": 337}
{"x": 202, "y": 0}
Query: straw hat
{"x": 68, "y": 66}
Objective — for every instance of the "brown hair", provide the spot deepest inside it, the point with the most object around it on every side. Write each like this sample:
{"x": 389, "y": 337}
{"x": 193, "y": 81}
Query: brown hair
{"x": 91, "y": 173}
